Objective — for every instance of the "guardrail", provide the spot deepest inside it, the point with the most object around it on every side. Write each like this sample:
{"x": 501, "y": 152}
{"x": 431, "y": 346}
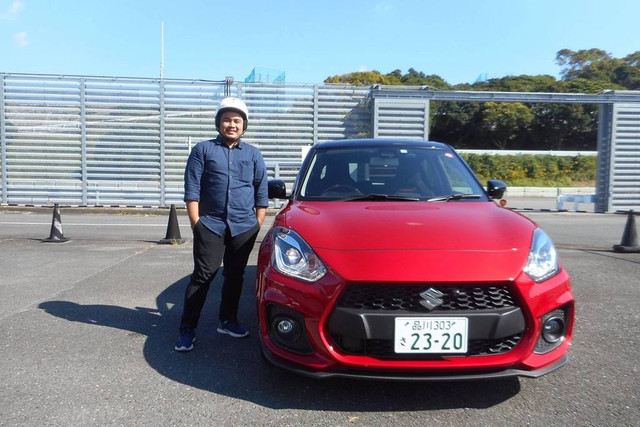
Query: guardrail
{"x": 530, "y": 152}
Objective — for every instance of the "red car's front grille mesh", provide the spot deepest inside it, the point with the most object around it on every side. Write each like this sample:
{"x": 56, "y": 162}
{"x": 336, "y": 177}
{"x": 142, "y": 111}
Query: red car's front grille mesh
{"x": 387, "y": 299}
{"x": 407, "y": 297}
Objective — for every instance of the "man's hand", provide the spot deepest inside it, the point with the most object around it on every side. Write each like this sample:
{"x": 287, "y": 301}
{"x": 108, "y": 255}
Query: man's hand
{"x": 193, "y": 208}
{"x": 261, "y": 213}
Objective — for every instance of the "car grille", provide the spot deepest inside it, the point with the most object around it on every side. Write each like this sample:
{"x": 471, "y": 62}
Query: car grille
{"x": 406, "y": 298}
{"x": 392, "y": 297}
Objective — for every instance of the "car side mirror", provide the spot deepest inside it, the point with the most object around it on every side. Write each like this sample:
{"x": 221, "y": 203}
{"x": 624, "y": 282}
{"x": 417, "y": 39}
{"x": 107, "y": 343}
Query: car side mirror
{"x": 277, "y": 189}
{"x": 496, "y": 188}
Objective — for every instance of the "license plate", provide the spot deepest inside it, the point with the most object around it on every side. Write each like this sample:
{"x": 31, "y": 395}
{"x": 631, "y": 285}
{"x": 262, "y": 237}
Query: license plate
{"x": 430, "y": 334}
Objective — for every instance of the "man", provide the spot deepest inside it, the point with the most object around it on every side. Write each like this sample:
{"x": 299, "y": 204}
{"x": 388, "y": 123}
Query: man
{"x": 225, "y": 189}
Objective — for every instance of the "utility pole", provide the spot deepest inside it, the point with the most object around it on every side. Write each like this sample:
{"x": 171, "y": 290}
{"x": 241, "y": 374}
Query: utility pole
{"x": 162, "y": 124}
{"x": 162, "y": 50}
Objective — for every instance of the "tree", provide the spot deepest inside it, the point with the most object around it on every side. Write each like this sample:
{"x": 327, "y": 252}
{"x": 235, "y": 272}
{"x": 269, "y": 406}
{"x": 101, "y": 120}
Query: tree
{"x": 582, "y": 85}
{"x": 628, "y": 75}
{"x": 598, "y": 65}
{"x": 411, "y": 78}
{"x": 563, "y": 126}
{"x": 415, "y": 78}
{"x": 397, "y": 75}
{"x": 576, "y": 62}
{"x": 633, "y": 59}
{"x": 457, "y": 123}
{"x": 522, "y": 83}
{"x": 539, "y": 126}
{"x": 362, "y": 78}
{"x": 505, "y": 121}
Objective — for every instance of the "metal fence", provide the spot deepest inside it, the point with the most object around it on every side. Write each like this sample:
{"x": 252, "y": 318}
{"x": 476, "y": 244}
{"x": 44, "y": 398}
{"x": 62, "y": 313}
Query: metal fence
{"x": 116, "y": 141}
{"x": 618, "y": 184}
{"x": 124, "y": 141}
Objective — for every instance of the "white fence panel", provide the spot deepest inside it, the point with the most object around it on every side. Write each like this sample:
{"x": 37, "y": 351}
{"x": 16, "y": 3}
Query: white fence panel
{"x": 81, "y": 140}
{"x": 625, "y": 155}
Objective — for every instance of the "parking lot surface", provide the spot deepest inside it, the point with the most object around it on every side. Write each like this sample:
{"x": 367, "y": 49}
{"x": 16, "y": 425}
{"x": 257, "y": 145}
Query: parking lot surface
{"x": 88, "y": 329}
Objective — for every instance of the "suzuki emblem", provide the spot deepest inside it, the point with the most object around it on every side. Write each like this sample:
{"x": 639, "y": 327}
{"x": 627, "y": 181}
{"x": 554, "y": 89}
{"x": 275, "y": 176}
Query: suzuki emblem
{"x": 431, "y": 298}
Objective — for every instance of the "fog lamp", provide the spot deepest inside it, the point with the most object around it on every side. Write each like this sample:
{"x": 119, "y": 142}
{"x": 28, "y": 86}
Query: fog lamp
{"x": 285, "y": 326}
{"x": 553, "y": 329}
{"x": 286, "y": 329}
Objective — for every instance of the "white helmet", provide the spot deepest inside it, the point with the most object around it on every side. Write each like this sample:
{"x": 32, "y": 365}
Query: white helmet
{"x": 233, "y": 104}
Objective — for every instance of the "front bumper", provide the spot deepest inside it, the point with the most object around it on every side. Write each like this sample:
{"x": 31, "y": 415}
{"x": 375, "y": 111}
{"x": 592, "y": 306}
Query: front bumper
{"x": 387, "y": 375}
{"x": 326, "y": 320}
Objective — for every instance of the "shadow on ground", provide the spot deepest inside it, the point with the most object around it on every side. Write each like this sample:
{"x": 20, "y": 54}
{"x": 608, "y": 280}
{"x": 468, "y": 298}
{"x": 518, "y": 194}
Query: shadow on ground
{"x": 235, "y": 368}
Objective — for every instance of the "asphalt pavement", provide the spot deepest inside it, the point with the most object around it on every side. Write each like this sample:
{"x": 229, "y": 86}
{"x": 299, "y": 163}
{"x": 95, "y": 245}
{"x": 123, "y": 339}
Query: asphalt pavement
{"x": 88, "y": 329}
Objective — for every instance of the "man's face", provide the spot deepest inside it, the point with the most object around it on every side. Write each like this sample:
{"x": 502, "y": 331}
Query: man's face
{"x": 231, "y": 125}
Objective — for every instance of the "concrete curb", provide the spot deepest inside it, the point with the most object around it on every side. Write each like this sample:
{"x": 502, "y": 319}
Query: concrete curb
{"x": 548, "y": 191}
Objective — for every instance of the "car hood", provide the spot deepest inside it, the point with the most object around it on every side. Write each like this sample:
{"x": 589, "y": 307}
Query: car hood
{"x": 410, "y": 240}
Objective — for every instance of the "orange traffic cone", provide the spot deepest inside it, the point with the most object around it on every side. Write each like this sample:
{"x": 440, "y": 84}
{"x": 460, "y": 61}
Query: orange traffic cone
{"x": 56, "y": 235}
{"x": 173, "y": 230}
{"x": 629, "y": 242}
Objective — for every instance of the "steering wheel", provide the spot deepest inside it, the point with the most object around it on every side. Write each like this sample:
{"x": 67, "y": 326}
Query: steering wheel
{"x": 341, "y": 188}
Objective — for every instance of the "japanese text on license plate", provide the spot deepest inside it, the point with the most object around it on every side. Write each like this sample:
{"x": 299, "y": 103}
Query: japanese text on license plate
{"x": 430, "y": 334}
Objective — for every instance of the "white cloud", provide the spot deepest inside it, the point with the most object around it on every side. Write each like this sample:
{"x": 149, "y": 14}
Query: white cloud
{"x": 20, "y": 39}
{"x": 363, "y": 69}
{"x": 13, "y": 11}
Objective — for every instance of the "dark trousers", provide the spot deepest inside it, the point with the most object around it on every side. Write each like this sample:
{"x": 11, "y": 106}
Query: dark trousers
{"x": 209, "y": 250}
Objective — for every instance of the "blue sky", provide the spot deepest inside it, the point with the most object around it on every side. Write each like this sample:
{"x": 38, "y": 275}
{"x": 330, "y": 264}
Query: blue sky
{"x": 310, "y": 40}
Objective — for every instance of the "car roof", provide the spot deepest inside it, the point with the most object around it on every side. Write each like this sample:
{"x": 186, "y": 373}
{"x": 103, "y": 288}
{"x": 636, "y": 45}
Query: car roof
{"x": 380, "y": 142}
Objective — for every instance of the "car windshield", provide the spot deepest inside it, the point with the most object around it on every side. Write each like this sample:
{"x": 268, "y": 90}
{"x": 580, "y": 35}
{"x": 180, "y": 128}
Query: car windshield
{"x": 389, "y": 174}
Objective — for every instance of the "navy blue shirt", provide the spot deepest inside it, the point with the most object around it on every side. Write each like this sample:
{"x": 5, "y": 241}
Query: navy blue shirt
{"x": 227, "y": 183}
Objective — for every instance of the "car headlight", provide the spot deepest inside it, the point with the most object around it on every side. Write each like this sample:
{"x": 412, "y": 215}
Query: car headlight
{"x": 543, "y": 259}
{"x": 292, "y": 256}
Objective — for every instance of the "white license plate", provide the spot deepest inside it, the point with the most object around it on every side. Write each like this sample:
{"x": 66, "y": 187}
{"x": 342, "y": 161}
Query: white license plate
{"x": 431, "y": 334}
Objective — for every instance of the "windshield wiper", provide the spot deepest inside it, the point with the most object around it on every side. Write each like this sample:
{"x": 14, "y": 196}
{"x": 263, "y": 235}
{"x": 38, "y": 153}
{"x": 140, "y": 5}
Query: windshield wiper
{"x": 375, "y": 197}
{"x": 454, "y": 197}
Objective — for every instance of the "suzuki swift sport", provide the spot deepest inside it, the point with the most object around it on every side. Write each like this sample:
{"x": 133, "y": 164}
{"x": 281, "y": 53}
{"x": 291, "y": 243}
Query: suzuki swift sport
{"x": 391, "y": 261}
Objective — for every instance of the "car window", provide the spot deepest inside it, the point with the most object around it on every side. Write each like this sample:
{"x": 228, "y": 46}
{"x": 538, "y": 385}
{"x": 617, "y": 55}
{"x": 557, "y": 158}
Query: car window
{"x": 459, "y": 182}
{"x": 415, "y": 173}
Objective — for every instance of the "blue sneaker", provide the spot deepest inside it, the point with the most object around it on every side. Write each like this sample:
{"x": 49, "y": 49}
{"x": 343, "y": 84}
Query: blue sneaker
{"x": 234, "y": 329}
{"x": 186, "y": 338}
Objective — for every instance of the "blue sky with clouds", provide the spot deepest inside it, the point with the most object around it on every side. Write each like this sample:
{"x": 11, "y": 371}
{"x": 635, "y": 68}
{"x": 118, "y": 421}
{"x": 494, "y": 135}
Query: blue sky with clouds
{"x": 309, "y": 40}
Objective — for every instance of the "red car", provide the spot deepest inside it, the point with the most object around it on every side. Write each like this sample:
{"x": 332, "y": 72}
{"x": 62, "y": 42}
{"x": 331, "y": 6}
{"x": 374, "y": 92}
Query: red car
{"x": 391, "y": 261}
